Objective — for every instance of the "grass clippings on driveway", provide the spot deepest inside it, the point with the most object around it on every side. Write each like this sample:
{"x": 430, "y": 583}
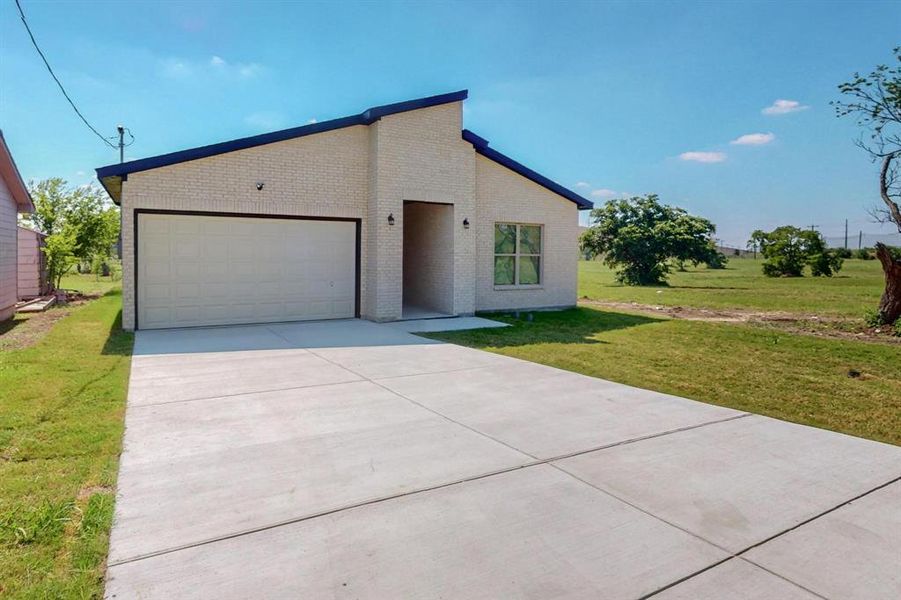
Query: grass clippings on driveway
{"x": 847, "y": 386}
{"x": 61, "y": 421}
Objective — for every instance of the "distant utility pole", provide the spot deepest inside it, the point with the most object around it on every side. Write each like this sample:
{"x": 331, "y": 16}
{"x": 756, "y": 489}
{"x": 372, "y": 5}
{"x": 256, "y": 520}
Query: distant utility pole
{"x": 814, "y": 227}
{"x": 860, "y": 239}
{"x": 846, "y": 234}
{"x": 121, "y": 130}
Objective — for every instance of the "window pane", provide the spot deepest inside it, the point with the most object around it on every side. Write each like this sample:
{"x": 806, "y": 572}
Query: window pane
{"x": 504, "y": 238}
{"x": 529, "y": 239}
{"x": 529, "y": 269}
{"x": 503, "y": 270}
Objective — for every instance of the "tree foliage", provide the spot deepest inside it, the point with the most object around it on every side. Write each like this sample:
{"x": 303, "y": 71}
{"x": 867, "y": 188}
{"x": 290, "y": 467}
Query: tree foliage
{"x": 787, "y": 250}
{"x": 875, "y": 101}
{"x": 639, "y": 236}
{"x": 81, "y": 223}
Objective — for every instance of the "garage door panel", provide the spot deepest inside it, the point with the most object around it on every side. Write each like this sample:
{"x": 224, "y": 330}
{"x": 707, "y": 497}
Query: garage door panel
{"x": 204, "y": 270}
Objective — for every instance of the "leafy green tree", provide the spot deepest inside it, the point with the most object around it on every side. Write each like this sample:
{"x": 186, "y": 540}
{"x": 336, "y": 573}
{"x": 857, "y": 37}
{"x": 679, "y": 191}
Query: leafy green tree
{"x": 875, "y": 101}
{"x": 59, "y": 248}
{"x": 639, "y": 236}
{"x": 80, "y": 223}
{"x": 787, "y": 250}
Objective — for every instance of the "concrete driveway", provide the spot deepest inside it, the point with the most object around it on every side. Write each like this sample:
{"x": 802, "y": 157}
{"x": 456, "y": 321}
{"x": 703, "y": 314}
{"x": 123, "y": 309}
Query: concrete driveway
{"x": 348, "y": 459}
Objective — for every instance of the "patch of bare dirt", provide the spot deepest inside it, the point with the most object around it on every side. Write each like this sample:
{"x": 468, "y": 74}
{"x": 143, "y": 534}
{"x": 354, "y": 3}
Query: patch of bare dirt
{"x": 806, "y": 324}
{"x": 26, "y": 329}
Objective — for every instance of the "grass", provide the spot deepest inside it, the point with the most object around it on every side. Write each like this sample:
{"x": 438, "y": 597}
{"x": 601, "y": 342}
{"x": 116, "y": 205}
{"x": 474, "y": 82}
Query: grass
{"x": 798, "y": 378}
{"x": 88, "y": 283}
{"x": 741, "y": 285}
{"x": 61, "y": 421}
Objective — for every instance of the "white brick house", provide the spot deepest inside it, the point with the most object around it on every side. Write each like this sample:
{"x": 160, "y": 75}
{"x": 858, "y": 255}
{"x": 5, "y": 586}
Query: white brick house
{"x": 393, "y": 213}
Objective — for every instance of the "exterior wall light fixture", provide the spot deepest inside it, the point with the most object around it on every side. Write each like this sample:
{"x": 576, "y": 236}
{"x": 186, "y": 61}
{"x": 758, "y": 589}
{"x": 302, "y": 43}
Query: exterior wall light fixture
{"x": 391, "y": 219}
{"x": 465, "y": 223}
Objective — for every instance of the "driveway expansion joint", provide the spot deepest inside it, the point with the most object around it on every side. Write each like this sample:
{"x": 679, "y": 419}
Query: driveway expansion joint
{"x": 740, "y": 554}
{"x": 534, "y": 463}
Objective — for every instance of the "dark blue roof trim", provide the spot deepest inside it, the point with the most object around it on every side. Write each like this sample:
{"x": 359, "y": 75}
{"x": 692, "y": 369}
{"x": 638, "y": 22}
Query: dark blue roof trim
{"x": 366, "y": 117}
{"x": 481, "y": 146}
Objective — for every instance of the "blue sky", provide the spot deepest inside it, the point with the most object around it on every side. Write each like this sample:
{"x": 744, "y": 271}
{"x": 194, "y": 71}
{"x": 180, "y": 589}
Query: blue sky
{"x": 606, "y": 98}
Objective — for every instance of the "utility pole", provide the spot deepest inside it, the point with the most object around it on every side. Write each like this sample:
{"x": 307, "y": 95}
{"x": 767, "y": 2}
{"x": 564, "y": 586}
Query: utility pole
{"x": 813, "y": 227}
{"x": 860, "y": 239}
{"x": 121, "y": 130}
{"x": 846, "y": 234}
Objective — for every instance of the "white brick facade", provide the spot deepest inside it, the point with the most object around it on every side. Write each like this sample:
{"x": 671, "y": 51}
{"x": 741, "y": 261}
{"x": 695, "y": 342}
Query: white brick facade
{"x": 366, "y": 172}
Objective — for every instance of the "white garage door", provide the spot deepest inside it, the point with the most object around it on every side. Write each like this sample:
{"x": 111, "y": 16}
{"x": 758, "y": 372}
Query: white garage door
{"x": 210, "y": 270}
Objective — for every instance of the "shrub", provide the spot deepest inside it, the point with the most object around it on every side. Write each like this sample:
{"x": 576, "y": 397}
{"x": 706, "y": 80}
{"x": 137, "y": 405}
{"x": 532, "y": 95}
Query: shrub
{"x": 786, "y": 250}
{"x": 842, "y": 252}
{"x": 864, "y": 254}
{"x": 825, "y": 263}
{"x": 873, "y": 318}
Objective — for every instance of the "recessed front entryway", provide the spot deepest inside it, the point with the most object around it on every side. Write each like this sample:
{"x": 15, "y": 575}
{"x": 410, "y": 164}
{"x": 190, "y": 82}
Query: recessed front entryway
{"x": 220, "y": 270}
{"x": 428, "y": 261}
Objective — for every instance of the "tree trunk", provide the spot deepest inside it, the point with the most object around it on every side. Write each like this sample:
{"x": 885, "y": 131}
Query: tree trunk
{"x": 890, "y": 305}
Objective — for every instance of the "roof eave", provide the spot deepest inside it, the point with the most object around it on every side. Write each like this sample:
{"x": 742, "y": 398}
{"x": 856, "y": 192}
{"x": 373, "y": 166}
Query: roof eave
{"x": 367, "y": 117}
{"x": 480, "y": 145}
{"x": 10, "y": 173}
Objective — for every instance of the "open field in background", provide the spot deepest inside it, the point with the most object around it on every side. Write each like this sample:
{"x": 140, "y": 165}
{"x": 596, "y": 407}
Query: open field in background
{"x": 61, "y": 420}
{"x": 856, "y": 288}
{"x": 849, "y": 386}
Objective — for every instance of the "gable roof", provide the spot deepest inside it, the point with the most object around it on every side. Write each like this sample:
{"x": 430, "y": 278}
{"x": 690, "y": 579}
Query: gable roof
{"x": 112, "y": 176}
{"x": 13, "y": 179}
{"x": 481, "y": 147}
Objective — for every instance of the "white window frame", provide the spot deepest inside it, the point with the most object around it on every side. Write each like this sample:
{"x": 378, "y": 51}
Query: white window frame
{"x": 516, "y": 255}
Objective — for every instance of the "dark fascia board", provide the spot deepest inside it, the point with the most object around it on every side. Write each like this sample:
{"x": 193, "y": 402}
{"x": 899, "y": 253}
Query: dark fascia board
{"x": 367, "y": 117}
{"x": 9, "y": 171}
{"x": 481, "y": 146}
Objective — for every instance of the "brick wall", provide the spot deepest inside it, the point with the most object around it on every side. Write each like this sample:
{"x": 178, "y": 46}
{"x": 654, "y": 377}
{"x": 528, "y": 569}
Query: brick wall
{"x": 323, "y": 175}
{"x": 367, "y": 172}
{"x": 505, "y": 196}
{"x": 428, "y": 274}
{"x": 420, "y": 156}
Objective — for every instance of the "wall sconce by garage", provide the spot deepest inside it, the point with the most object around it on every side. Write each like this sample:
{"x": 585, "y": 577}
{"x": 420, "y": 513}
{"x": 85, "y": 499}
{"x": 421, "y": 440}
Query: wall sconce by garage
{"x": 391, "y": 219}
{"x": 465, "y": 223}
{"x": 259, "y": 186}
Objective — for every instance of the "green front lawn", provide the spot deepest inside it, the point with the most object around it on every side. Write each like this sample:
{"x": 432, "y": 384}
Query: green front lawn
{"x": 799, "y": 378}
{"x": 61, "y": 422}
{"x": 856, "y": 288}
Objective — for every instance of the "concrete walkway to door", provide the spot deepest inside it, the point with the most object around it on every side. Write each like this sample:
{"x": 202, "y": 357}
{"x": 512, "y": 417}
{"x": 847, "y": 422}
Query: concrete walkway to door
{"x": 348, "y": 459}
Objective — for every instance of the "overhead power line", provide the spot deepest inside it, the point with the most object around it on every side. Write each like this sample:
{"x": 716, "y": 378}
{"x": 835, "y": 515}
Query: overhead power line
{"x": 56, "y": 79}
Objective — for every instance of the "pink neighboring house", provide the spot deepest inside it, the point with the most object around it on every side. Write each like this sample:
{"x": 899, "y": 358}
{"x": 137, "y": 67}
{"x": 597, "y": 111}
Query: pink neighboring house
{"x": 14, "y": 199}
{"x": 32, "y": 264}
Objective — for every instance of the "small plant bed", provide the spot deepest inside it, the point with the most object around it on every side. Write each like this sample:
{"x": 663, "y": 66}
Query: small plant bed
{"x": 836, "y": 384}
{"x": 61, "y": 421}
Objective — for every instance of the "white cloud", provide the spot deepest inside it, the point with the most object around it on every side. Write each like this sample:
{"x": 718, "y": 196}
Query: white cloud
{"x": 311, "y": 121}
{"x": 604, "y": 193}
{"x": 703, "y": 157}
{"x": 783, "y": 107}
{"x": 583, "y": 184}
{"x": 753, "y": 139}
{"x": 178, "y": 68}
{"x": 265, "y": 120}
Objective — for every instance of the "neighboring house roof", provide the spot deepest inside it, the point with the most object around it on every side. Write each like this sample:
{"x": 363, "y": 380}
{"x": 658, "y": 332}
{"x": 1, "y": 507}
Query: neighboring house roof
{"x": 30, "y": 230}
{"x": 112, "y": 176}
{"x": 13, "y": 179}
